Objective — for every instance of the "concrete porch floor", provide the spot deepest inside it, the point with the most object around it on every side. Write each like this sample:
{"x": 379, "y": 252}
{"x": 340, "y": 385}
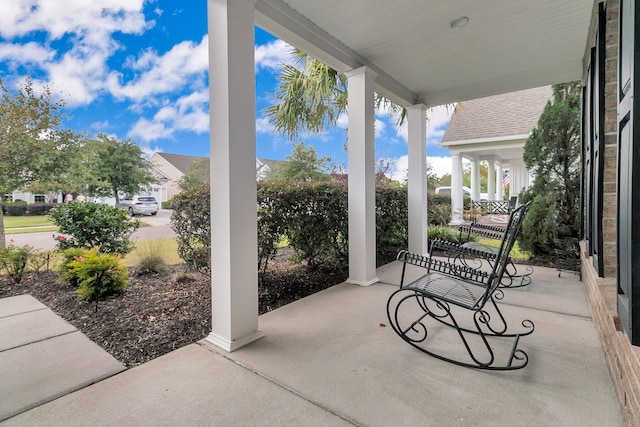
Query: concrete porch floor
{"x": 332, "y": 359}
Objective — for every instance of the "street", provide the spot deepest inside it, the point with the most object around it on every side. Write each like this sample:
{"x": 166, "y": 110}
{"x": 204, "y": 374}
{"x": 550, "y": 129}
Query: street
{"x": 157, "y": 227}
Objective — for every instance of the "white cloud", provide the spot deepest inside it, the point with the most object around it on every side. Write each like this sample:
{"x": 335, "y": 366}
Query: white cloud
{"x": 189, "y": 113}
{"x": 81, "y": 71}
{"x": 80, "y": 17}
{"x": 437, "y": 118}
{"x": 379, "y": 128}
{"x": 25, "y": 53}
{"x": 272, "y": 54}
{"x": 146, "y": 131}
{"x": 160, "y": 74}
{"x": 263, "y": 125}
{"x": 342, "y": 121}
{"x": 440, "y": 166}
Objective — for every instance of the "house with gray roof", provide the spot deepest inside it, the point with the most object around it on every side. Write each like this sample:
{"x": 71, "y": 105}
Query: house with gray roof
{"x": 175, "y": 166}
{"x": 494, "y": 130}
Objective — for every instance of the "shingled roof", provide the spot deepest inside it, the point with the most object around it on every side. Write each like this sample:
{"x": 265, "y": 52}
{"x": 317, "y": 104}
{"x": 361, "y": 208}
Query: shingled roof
{"x": 499, "y": 116}
{"x": 181, "y": 162}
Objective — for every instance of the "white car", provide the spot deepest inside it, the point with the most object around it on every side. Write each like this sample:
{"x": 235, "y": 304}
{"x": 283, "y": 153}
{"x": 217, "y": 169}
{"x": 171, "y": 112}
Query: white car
{"x": 139, "y": 205}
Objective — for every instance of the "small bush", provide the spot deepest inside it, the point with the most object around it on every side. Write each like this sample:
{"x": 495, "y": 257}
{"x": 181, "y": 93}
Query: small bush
{"x": 13, "y": 261}
{"x": 166, "y": 204}
{"x": 67, "y": 274}
{"x": 191, "y": 221}
{"x": 150, "y": 260}
{"x": 43, "y": 261}
{"x": 89, "y": 225}
{"x": 99, "y": 275}
{"x": 444, "y": 233}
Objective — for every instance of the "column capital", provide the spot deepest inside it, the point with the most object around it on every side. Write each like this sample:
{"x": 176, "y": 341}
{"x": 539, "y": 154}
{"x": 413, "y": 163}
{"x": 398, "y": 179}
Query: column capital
{"x": 361, "y": 70}
{"x": 419, "y": 106}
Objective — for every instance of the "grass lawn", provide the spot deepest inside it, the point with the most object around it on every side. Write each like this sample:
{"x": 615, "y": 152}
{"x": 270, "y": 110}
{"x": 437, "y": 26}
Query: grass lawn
{"x": 516, "y": 253}
{"x": 27, "y": 224}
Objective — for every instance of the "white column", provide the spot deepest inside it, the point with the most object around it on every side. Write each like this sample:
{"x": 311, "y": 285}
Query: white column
{"x": 491, "y": 179}
{"x": 362, "y": 192}
{"x": 417, "y": 179}
{"x": 519, "y": 177}
{"x": 499, "y": 186}
{"x": 475, "y": 179}
{"x": 234, "y": 242}
{"x": 456, "y": 190}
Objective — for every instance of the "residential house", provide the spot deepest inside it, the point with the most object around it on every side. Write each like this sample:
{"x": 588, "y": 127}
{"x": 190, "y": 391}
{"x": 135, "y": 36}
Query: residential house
{"x": 426, "y": 54}
{"x": 493, "y": 129}
{"x": 175, "y": 166}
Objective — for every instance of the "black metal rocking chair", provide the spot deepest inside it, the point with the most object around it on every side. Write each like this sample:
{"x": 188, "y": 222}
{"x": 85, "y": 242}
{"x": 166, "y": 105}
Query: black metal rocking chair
{"x": 463, "y": 299}
{"x": 472, "y": 254}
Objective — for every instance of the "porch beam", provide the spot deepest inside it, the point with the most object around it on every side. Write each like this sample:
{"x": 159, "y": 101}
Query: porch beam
{"x": 234, "y": 242}
{"x": 417, "y": 179}
{"x": 361, "y": 187}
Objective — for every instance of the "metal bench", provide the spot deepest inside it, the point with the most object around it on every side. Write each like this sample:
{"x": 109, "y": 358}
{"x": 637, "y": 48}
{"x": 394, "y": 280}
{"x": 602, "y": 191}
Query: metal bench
{"x": 461, "y": 300}
{"x": 474, "y": 255}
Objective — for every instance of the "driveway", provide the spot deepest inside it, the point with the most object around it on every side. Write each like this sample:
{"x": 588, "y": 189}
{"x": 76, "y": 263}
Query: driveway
{"x": 157, "y": 227}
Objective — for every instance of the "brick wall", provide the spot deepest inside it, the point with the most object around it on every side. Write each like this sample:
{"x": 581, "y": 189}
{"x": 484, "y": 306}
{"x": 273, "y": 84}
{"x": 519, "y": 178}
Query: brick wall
{"x": 609, "y": 214}
{"x": 622, "y": 359}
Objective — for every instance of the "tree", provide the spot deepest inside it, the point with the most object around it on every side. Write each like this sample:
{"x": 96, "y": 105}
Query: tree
{"x": 311, "y": 96}
{"x": 198, "y": 175}
{"x": 118, "y": 167}
{"x": 32, "y": 141}
{"x": 552, "y": 152}
{"x": 302, "y": 165}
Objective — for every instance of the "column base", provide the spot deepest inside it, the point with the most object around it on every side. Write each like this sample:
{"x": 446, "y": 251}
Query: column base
{"x": 230, "y": 346}
{"x": 363, "y": 282}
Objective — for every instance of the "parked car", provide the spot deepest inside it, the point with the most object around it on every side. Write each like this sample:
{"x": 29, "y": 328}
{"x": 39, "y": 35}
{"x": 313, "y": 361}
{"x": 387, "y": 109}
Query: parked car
{"x": 139, "y": 205}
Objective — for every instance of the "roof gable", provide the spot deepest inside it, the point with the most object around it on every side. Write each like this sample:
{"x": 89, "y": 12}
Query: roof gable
{"x": 497, "y": 117}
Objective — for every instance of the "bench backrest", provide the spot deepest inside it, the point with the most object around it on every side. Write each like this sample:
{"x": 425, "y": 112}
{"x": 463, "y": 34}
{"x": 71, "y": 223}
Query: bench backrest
{"x": 508, "y": 240}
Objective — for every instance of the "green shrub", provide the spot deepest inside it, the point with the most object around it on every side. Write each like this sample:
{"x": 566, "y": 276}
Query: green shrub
{"x": 166, "y": 204}
{"x": 446, "y": 234}
{"x": 89, "y": 225}
{"x": 40, "y": 208}
{"x": 271, "y": 221}
{"x": 16, "y": 209}
{"x": 190, "y": 219}
{"x": 316, "y": 222}
{"x": 67, "y": 274}
{"x": 541, "y": 225}
{"x": 99, "y": 275}
{"x": 13, "y": 261}
{"x": 392, "y": 223}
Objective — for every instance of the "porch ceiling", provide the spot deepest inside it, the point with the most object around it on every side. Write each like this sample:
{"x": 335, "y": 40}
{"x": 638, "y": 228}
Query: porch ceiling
{"x": 506, "y": 46}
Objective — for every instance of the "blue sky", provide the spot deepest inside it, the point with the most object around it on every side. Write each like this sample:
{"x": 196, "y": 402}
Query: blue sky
{"x": 138, "y": 69}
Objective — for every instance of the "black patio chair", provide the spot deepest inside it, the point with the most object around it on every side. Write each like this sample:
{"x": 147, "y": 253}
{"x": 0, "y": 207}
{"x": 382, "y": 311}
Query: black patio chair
{"x": 463, "y": 300}
{"x": 473, "y": 254}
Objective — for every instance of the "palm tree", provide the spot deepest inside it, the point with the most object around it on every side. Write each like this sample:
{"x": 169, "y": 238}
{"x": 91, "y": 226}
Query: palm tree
{"x": 311, "y": 96}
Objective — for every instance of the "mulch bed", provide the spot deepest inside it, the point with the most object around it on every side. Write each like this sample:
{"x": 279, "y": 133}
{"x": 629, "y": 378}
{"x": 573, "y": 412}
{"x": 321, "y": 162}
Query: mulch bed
{"x": 159, "y": 313}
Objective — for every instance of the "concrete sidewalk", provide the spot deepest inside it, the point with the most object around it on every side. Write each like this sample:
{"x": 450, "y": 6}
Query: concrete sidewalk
{"x": 331, "y": 359}
{"x": 42, "y": 357}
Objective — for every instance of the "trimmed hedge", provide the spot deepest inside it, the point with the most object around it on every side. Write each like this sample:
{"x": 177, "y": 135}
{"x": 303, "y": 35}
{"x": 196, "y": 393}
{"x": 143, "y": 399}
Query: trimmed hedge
{"x": 20, "y": 208}
{"x": 311, "y": 217}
